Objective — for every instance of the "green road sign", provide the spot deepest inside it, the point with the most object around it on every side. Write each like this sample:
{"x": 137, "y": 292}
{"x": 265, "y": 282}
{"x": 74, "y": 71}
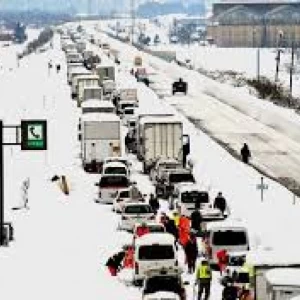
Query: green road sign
{"x": 34, "y": 134}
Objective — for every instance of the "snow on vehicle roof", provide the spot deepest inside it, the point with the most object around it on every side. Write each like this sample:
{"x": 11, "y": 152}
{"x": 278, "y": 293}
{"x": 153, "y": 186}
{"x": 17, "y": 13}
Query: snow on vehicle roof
{"x": 228, "y": 223}
{"x": 114, "y": 164}
{"x": 263, "y": 257}
{"x": 189, "y": 186}
{"x": 99, "y": 117}
{"x": 155, "y": 238}
{"x": 96, "y": 103}
{"x": 87, "y": 76}
{"x": 159, "y": 120}
{"x": 80, "y": 70}
{"x": 284, "y": 276}
{"x": 104, "y": 65}
{"x": 92, "y": 87}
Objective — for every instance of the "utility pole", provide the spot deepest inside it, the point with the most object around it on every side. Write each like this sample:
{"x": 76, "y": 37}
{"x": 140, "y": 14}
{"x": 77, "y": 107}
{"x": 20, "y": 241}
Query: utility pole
{"x": 132, "y": 11}
{"x": 292, "y": 69}
{"x": 277, "y": 64}
{"x": 1, "y": 186}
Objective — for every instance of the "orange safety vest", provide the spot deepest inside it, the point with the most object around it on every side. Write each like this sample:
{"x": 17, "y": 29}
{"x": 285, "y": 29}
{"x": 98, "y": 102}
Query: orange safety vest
{"x": 128, "y": 259}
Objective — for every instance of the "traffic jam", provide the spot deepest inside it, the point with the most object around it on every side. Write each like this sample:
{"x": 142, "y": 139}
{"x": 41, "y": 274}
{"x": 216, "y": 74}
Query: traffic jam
{"x": 183, "y": 240}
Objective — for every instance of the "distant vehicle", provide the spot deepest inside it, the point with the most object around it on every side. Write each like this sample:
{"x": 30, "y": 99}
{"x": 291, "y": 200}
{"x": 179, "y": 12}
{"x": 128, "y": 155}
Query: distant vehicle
{"x": 228, "y": 235}
{"x": 126, "y": 114}
{"x": 105, "y": 72}
{"x": 174, "y": 39}
{"x": 125, "y": 104}
{"x": 115, "y": 168}
{"x": 124, "y": 196}
{"x": 153, "y": 250}
{"x": 164, "y": 283}
{"x": 161, "y": 166}
{"x": 135, "y": 212}
{"x": 179, "y": 86}
{"x": 97, "y": 106}
{"x": 166, "y": 185}
{"x": 109, "y": 185}
{"x": 100, "y": 136}
{"x": 83, "y": 82}
{"x": 120, "y": 159}
{"x": 141, "y": 75}
{"x": 92, "y": 92}
{"x": 188, "y": 196}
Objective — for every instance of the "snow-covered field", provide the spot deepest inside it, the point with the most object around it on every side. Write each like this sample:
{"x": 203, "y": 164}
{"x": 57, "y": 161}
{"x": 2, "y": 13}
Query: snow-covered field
{"x": 62, "y": 242}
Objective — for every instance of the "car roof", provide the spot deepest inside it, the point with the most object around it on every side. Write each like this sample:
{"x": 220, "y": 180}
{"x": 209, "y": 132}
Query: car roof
{"x": 228, "y": 223}
{"x": 154, "y": 238}
{"x": 136, "y": 204}
{"x": 189, "y": 186}
{"x": 148, "y": 224}
{"x": 114, "y": 164}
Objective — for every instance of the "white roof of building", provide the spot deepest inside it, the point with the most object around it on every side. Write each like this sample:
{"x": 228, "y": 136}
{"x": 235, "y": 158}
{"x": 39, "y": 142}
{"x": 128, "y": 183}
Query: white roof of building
{"x": 99, "y": 117}
{"x": 284, "y": 276}
{"x": 155, "y": 238}
{"x": 159, "y": 119}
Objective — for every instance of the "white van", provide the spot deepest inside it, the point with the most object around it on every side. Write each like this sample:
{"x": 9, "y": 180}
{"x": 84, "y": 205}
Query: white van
{"x": 153, "y": 250}
{"x": 228, "y": 235}
{"x": 283, "y": 283}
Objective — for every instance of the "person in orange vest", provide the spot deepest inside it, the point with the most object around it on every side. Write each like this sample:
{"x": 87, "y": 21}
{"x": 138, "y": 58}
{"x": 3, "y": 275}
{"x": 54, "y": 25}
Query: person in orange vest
{"x": 184, "y": 230}
{"x": 222, "y": 257}
{"x": 129, "y": 258}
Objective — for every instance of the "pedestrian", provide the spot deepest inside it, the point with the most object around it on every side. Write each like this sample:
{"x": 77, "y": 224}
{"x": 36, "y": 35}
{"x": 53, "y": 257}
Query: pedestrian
{"x": 57, "y": 68}
{"x": 171, "y": 228}
{"x": 129, "y": 258}
{"x": 246, "y": 294}
{"x": 203, "y": 279}
{"x": 230, "y": 292}
{"x": 127, "y": 142}
{"x": 154, "y": 203}
{"x": 245, "y": 153}
{"x": 220, "y": 203}
{"x": 184, "y": 229}
{"x": 114, "y": 263}
{"x": 176, "y": 217}
{"x": 196, "y": 220}
{"x": 223, "y": 258}
{"x": 191, "y": 252}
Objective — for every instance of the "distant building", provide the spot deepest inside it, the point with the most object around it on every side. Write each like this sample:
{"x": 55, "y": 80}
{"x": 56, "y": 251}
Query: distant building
{"x": 255, "y": 24}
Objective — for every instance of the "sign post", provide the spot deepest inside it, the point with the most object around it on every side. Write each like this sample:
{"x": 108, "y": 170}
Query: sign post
{"x": 33, "y": 137}
{"x": 262, "y": 186}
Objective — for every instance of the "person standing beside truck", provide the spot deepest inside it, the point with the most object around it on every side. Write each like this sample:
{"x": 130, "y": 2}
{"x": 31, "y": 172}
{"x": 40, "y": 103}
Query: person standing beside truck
{"x": 203, "y": 279}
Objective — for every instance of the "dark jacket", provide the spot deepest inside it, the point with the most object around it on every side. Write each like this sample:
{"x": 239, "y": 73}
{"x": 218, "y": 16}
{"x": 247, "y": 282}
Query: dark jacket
{"x": 245, "y": 153}
{"x": 230, "y": 293}
{"x": 191, "y": 249}
{"x": 172, "y": 229}
{"x": 116, "y": 260}
{"x": 153, "y": 202}
{"x": 220, "y": 203}
{"x": 196, "y": 219}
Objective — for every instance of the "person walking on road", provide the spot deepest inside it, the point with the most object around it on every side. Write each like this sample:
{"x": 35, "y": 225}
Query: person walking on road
{"x": 196, "y": 220}
{"x": 245, "y": 153}
{"x": 191, "y": 252}
{"x": 114, "y": 263}
{"x": 153, "y": 202}
{"x": 203, "y": 279}
{"x": 220, "y": 203}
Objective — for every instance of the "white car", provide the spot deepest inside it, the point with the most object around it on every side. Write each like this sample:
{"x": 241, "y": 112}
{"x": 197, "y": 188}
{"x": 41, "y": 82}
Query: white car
{"x": 135, "y": 213}
{"x": 124, "y": 196}
{"x": 115, "y": 168}
{"x": 120, "y": 159}
{"x": 189, "y": 195}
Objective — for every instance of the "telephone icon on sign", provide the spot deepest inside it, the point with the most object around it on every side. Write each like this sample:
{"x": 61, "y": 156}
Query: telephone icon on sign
{"x": 34, "y": 132}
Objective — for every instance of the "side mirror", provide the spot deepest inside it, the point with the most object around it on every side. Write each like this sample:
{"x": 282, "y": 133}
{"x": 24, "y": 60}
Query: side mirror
{"x": 186, "y": 283}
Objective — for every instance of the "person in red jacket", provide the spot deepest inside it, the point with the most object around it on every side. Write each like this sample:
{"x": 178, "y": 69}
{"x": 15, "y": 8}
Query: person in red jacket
{"x": 141, "y": 230}
{"x": 222, "y": 257}
{"x": 129, "y": 258}
{"x": 184, "y": 230}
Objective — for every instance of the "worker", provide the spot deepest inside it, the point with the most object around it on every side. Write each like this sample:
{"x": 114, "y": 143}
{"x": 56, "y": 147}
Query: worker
{"x": 203, "y": 279}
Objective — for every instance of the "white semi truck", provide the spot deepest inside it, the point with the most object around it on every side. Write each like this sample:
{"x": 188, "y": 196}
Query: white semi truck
{"x": 100, "y": 136}
{"x": 159, "y": 137}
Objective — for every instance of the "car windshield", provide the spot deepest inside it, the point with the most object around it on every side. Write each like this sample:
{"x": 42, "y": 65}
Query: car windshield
{"x": 137, "y": 209}
{"x": 162, "y": 283}
{"x": 194, "y": 197}
{"x": 156, "y": 252}
{"x": 169, "y": 166}
{"x": 181, "y": 177}
{"x": 115, "y": 170}
{"x": 229, "y": 238}
{"x": 124, "y": 194}
{"x": 114, "y": 181}
{"x": 128, "y": 111}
